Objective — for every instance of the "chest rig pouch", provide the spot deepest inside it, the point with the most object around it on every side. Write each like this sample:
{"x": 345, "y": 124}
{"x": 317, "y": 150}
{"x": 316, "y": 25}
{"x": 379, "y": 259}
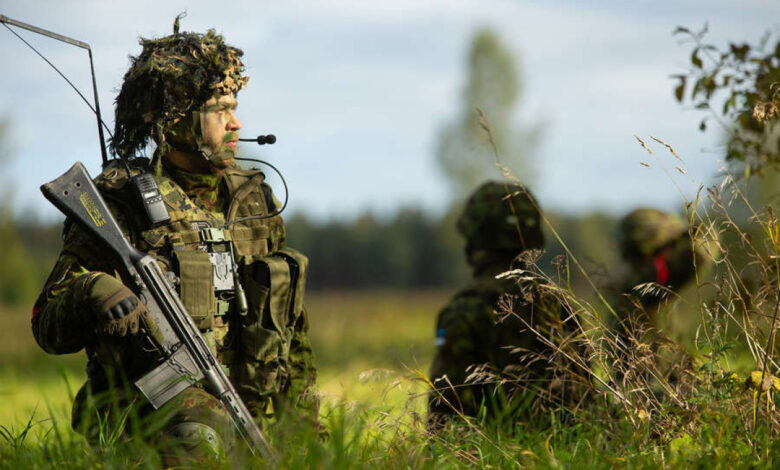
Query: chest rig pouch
{"x": 209, "y": 278}
{"x": 208, "y": 262}
{"x": 275, "y": 286}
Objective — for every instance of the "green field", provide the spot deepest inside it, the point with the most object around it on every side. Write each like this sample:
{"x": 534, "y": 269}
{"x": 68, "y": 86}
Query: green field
{"x": 364, "y": 342}
{"x": 367, "y": 346}
{"x": 371, "y": 349}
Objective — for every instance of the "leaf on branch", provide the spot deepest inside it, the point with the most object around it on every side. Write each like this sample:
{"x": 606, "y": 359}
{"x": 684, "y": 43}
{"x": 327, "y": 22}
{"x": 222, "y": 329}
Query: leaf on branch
{"x": 696, "y": 88}
{"x": 695, "y": 60}
{"x": 764, "y": 111}
{"x": 680, "y": 90}
{"x": 740, "y": 52}
{"x": 730, "y": 103}
{"x": 709, "y": 84}
{"x": 681, "y": 30}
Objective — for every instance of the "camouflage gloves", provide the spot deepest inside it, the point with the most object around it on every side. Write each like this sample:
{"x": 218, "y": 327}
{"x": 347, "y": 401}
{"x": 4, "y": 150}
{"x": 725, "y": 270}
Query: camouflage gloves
{"x": 119, "y": 312}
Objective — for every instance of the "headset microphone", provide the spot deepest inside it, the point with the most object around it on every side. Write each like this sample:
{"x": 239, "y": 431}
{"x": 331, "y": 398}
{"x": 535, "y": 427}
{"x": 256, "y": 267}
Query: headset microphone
{"x": 262, "y": 139}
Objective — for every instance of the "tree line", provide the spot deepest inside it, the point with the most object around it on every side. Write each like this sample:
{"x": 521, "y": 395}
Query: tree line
{"x": 411, "y": 249}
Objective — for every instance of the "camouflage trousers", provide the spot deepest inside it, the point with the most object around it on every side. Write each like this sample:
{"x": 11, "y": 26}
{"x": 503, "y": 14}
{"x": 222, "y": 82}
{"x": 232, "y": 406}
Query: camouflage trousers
{"x": 192, "y": 427}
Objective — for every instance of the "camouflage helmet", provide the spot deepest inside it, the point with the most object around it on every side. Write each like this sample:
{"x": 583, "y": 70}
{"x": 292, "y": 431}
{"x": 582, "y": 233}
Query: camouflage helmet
{"x": 501, "y": 218}
{"x": 645, "y": 231}
{"x": 171, "y": 77}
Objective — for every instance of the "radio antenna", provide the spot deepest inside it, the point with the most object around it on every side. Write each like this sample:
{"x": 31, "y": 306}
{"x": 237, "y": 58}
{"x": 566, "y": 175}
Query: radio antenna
{"x": 96, "y": 109}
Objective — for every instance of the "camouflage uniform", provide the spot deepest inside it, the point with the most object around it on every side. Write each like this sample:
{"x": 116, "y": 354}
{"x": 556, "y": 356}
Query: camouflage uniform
{"x": 472, "y": 331}
{"x": 266, "y": 351}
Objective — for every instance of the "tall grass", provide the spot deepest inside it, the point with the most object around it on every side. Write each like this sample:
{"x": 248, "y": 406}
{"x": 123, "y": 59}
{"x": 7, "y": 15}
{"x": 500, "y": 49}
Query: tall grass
{"x": 708, "y": 397}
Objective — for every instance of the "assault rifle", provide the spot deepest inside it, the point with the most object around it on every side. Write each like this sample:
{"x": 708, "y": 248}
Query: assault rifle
{"x": 185, "y": 358}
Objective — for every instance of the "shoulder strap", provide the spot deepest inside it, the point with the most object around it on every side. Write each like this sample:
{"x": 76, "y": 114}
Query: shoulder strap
{"x": 242, "y": 192}
{"x": 114, "y": 175}
{"x": 270, "y": 200}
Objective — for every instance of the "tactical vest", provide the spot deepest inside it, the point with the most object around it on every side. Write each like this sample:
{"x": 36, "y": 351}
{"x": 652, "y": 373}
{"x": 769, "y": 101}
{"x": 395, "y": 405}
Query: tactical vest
{"x": 209, "y": 264}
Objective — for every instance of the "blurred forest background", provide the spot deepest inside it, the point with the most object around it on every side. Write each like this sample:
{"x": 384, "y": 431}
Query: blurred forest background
{"x": 411, "y": 249}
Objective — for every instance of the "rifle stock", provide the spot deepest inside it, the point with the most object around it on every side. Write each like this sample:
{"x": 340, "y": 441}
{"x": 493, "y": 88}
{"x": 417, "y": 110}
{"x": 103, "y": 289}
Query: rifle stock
{"x": 185, "y": 356}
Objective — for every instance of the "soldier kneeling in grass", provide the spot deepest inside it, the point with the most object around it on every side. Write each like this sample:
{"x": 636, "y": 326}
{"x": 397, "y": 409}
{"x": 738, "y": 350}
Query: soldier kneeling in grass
{"x": 496, "y": 337}
{"x": 222, "y": 246}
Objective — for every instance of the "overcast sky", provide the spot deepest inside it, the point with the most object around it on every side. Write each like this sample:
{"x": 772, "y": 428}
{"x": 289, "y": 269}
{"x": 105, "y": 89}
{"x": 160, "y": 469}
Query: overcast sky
{"x": 357, "y": 91}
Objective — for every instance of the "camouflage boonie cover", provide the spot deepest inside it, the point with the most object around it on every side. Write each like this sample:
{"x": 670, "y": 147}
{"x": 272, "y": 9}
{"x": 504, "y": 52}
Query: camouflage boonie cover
{"x": 501, "y": 218}
{"x": 658, "y": 247}
{"x": 645, "y": 231}
{"x": 171, "y": 77}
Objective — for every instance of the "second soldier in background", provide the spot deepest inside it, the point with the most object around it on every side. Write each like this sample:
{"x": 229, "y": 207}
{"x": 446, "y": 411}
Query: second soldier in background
{"x": 492, "y": 331}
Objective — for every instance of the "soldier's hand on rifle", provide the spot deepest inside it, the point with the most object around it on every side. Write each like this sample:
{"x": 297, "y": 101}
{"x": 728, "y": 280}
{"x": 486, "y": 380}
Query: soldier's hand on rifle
{"x": 119, "y": 311}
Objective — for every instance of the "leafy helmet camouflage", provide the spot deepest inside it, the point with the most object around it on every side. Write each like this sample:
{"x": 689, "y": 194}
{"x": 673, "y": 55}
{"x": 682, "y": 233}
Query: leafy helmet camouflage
{"x": 172, "y": 77}
{"x": 501, "y": 218}
{"x": 645, "y": 231}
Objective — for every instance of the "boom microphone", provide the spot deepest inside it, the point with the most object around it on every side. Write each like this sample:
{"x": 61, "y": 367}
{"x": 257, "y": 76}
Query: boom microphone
{"x": 262, "y": 139}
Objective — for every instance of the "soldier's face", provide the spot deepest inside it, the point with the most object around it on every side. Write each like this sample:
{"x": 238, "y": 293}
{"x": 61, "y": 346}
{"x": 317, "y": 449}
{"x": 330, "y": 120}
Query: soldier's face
{"x": 219, "y": 124}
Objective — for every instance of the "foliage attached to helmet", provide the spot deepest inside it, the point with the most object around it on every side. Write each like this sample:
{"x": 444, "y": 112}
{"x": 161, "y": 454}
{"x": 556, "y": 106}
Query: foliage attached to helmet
{"x": 501, "y": 218}
{"x": 644, "y": 232}
{"x": 172, "y": 77}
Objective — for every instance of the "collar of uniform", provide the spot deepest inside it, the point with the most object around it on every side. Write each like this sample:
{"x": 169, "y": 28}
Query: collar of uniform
{"x": 490, "y": 263}
{"x": 202, "y": 188}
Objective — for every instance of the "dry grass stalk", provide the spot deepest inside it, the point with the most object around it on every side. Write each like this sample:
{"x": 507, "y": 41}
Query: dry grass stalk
{"x": 651, "y": 378}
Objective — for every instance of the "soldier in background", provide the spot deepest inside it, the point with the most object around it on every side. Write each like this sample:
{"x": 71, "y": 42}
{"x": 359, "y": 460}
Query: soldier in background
{"x": 485, "y": 333}
{"x": 180, "y": 94}
{"x": 658, "y": 249}
{"x": 662, "y": 259}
